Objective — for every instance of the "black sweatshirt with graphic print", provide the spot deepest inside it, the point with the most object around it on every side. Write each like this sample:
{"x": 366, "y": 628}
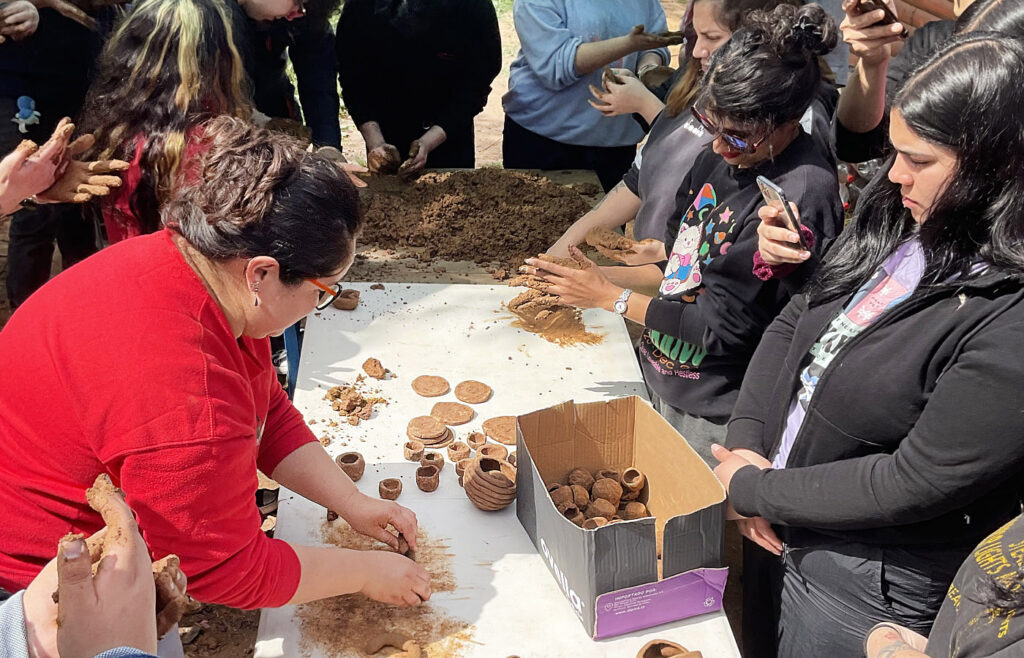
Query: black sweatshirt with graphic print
{"x": 711, "y": 310}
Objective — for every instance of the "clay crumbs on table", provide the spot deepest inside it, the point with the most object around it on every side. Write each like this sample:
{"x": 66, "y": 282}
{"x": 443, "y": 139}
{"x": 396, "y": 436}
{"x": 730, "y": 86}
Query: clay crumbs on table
{"x": 339, "y": 626}
{"x": 353, "y": 401}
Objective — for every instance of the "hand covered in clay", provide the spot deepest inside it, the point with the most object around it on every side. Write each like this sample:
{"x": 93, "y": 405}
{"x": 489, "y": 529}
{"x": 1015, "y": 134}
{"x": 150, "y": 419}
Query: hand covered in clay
{"x": 338, "y": 158}
{"x": 643, "y": 40}
{"x": 587, "y": 287}
{"x": 622, "y": 93}
{"x": 419, "y": 150}
{"x": 29, "y": 169}
{"x": 383, "y": 160}
{"x": 84, "y": 180}
{"x": 18, "y": 20}
{"x": 394, "y": 579}
{"x": 372, "y": 516}
{"x": 756, "y": 529}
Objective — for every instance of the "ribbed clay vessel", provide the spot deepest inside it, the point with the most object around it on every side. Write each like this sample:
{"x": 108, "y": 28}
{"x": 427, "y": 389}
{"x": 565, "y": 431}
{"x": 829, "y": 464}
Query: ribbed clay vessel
{"x": 490, "y": 483}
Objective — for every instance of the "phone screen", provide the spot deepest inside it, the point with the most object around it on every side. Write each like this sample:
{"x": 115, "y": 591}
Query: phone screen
{"x": 774, "y": 197}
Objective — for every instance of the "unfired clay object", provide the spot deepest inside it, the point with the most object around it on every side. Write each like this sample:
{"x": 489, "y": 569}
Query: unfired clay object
{"x": 609, "y": 473}
{"x": 502, "y": 429}
{"x": 572, "y": 513}
{"x": 353, "y": 464}
{"x": 413, "y": 450}
{"x": 595, "y": 523}
{"x": 493, "y": 450}
{"x": 458, "y": 451}
{"x": 634, "y": 510}
{"x": 427, "y": 478}
{"x": 408, "y": 647}
{"x": 512, "y": 459}
{"x": 561, "y": 495}
{"x": 348, "y": 300}
{"x": 476, "y": 439}
{"x": 666, "y": 649}
{"x": 607, "y": 489}
{"x": 430, "y": 386}
{"x": 434, "y": 459}
{"x": 490, "y": 483}
{"x": 581, "y": 477}
{"x": 473, "y": 392}
{"x": 600, "y": 507}
{"x": 390, "y": 489}
{"x": 580, "y": 497}
{"x": 460, "y": 469}
{"x": 633, "y": 479}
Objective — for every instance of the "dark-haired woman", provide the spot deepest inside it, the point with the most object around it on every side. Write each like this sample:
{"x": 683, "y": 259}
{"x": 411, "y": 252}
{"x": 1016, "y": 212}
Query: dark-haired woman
{"x": 711, "y": 309}
{"x": 882, "y": 409}
{"x": 150, "y": 362}
{"x": 169, "y": 66}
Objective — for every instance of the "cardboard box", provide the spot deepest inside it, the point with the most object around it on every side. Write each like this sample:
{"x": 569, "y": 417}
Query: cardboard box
{"x": 611, "y": 575}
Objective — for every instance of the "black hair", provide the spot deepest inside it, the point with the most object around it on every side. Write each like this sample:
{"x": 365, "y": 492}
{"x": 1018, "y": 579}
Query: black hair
{"x": 1004, "y": 16}
{"x": 966, "y": 97}
{"x": 254, "y": 192}
{"x": 768, "y": 72}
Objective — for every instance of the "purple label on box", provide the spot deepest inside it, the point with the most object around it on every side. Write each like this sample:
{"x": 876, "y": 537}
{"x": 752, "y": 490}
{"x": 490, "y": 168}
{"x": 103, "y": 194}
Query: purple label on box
{"x": 684, "y": 595}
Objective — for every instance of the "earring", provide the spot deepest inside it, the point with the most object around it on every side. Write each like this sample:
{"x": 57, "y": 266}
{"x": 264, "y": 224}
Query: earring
{"x": 771, "y": 151}
{"x": 256, "y": 293}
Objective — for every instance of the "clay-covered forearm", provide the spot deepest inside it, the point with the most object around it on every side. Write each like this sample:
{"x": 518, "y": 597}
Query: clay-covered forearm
{"x": 861, "y": 106}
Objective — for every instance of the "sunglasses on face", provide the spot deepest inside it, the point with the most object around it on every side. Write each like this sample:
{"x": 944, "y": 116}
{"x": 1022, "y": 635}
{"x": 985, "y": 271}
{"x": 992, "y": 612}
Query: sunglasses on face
{"x": 738, "y": 143}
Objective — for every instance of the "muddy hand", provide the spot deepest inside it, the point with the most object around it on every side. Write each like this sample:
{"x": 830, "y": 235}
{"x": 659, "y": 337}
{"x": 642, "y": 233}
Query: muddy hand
{"x": 642, "y": 40}
{"x": 412, "y": 166}
{"x": 383, "y": 160}
{"x": 83, "y": 180}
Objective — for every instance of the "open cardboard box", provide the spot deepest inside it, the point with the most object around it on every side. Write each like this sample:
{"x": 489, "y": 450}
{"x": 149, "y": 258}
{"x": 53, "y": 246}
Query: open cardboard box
{"x": 612, "y": 576}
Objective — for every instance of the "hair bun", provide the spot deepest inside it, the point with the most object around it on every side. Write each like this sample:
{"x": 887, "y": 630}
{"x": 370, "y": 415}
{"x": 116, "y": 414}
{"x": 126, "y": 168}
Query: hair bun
{"x": 814, "y": 29}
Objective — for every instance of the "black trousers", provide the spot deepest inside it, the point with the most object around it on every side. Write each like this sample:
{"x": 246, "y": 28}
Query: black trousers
{"x": 458, "y": 151}
{"x": 525, "y": 149}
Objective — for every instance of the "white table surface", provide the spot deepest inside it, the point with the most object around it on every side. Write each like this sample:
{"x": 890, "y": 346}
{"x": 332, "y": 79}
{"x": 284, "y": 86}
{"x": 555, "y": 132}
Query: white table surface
{"x": 461, "y": 332}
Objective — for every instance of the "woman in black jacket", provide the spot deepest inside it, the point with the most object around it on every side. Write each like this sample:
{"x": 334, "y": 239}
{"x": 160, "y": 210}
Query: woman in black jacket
{"x": 878, "y": 433}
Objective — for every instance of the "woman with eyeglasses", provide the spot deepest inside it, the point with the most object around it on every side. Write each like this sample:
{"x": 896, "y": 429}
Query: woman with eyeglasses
{"x": 711, "y": 308}
{"x": 150, "y": 362}
{"x": 877, "y": 435}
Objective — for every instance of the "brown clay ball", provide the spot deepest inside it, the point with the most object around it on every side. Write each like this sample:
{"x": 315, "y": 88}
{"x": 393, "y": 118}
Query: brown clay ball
{"x": 580, "y": 496}
{"x": 562, "y": 496}
{"x": 600, "y": 507}
{"x": 581, "y": 477}
{"x": 608, "y": 489}
{"x": 634, "y": 511}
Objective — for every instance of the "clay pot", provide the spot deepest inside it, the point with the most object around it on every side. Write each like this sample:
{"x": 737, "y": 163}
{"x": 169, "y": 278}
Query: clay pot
{"x": 595, "y": 523}
{"x": 493, "y": 451}
{"x": 633, "y": 480}
{"x": 390, "y": 489}
{"x": 580, "y": 497}
{"x": 427, "y": 478}
{"x": 512, "y": 459}
{"x": 460, "y": 469}
{"x": 435, "y": 459}
{"x": 490, "y": 483}
{"x": 572, "y": 513}
{"x": 608, "y": 489}
{"x": 561, "y": 495}
{"x": 458, "y": 451}
{"x": 634, "y": 510}
{"x": 475, "y": 440}
{"x": 599, "y": 507}
{"x": 413, "y": 450}
{"x": 665, "y": 649}
{"x": 353, "y": 464}
{"x": 609, "y": 473}
{"x": 581, "y": 477}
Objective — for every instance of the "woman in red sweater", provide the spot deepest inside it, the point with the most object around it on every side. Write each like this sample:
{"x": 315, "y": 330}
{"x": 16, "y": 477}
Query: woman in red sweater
{"x": 151, "y": 362}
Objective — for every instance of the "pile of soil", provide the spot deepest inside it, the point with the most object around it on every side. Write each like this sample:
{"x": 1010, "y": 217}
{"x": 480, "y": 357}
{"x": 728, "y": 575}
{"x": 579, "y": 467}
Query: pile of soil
{"x": 482, "y": 215}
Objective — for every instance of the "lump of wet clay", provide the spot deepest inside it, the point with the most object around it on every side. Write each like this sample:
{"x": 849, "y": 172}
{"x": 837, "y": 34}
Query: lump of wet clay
{"x": 613, "y": 245}
{"x": 427, "y": 478}
{"x": 608, "y": 489}
{"x": 473, "y": 392}
{"x": 582, "y": 477}
{"x": 348, "y": 300}
{"x": 390, "y": 488}
{"x": 452, "y": 413}
{"x": 408, "y": 648}
{"x": 373, "y": 368}
{"x": 430, "y": 386}
{"x": 384, "y": 160}
{"x": 353, "y": 464}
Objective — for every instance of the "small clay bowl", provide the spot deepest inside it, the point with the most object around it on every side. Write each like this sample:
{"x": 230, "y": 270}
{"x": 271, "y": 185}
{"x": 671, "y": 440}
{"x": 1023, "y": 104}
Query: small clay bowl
{"x": 390, "y": 489}
{"x": 434, "y": 459}
{"x": 633, "y": 479}
{"x": 609, "y": 473}
{"x": 413, "y": 450}
{"x": 493, "y": 450}
{"x": 600, "y": 507}
{"x": 427, "y": 478}
{"x": 661, "y": 649}
{"x": 595, "y": 523}
{"x": 573, "y": 513}
{"x": 460, "y": 468}
{"x": 634, "y": 510}
{"x": 353, "y": 464}
{"x": 476, "y": 439}
{"x": 581, "y": 477}
{"x": 458, "y": 451}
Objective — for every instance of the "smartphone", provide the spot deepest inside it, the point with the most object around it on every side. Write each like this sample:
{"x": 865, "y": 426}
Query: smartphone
{"x": 868, "y": 6}
{"x": 774, "y": 197}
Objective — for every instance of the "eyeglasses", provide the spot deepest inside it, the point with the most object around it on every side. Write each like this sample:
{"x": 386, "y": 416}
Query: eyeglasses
{"x": 329, "y": 294}
{"x": 737, "y": 142}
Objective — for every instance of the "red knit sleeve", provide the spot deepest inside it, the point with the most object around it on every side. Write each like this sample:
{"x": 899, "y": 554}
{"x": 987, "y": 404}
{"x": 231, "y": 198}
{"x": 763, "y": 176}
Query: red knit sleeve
{"x": 285, "y": 432}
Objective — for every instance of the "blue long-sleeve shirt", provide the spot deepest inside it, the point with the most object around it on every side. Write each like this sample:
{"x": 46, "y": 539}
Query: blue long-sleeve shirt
{"x": 546, "y": 94}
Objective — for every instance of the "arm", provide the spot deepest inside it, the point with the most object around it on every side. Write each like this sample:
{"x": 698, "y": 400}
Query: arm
{"x": 616, "y": 208}
{"x": 313, "y": 58}
{"x": 862, "y": 104}
{"x": 933, "y": 471}
{"x": 887, "y": 640}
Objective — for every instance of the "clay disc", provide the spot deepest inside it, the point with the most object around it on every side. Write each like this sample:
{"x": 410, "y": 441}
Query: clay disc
{"x": 442, "y": 441}
{"x": 425, "y": 428}
{"x": 502, "y": 429}
{"x": 430, "y": 386}
{"x": 473, "y": 392}
{"x": 452, "y": 413}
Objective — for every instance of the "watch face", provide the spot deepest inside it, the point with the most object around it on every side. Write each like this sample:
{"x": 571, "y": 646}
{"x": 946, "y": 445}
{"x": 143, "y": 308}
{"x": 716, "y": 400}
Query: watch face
{"x": 620, "y": 307}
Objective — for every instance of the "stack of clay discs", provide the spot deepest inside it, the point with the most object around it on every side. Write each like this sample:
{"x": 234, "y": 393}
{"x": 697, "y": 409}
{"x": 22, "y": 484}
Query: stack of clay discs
{"x": 429, "y": 431}
{"x": 490, "y": 483}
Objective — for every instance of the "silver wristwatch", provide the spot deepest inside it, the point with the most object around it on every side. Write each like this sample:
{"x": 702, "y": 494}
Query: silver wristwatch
{"x": 621, "y": 304}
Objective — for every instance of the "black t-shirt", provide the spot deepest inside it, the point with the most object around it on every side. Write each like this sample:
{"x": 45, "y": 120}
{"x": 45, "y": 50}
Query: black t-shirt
{"x": 711, "y": 311}
{"x": 968, "y": 625}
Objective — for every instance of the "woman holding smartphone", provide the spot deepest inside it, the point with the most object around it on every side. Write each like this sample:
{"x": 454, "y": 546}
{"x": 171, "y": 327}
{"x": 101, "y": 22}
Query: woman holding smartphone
{"x": 877, "y": 435}
{"x": 703, "y": 326}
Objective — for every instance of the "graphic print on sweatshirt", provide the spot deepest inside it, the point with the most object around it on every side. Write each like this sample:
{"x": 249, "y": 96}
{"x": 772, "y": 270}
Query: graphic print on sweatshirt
{"x": 704, "y": 233}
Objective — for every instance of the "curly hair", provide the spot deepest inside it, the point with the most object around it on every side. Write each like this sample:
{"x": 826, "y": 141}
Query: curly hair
{"x": 254, "y": 192}
{"x": 169, "y": 66}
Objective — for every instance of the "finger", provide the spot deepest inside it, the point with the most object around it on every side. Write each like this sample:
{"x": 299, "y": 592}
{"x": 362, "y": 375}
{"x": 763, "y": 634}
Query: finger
{"x": 404, "y": 521}
{"x": 382, "y": 535}
{"x": 74, "y": 577}
{"x": 356, "y": 180}
{"x": 95, "y": 190}
{"x": 577, "y": 255}
{"x": 104, "y": 181}
{"x": 598, "y": 93}
{"x": 81, "y": 197}
{"x": 81, "y": 145}
{"x": 781, "y": 253}
{"x": 769, "y": 534}
{"x": 539, "y": 265}
{"x": 107, "y": 166}
{"x": 20, "y": 154}
{"x": 55, "y": 147}
{"x": 764, "y": 543}
{"x": 721, "y": 453}
{"x": 777, "y": 233}
{"x": 422, "y": 589}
